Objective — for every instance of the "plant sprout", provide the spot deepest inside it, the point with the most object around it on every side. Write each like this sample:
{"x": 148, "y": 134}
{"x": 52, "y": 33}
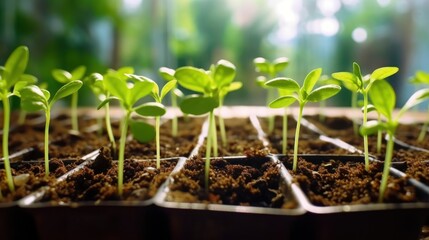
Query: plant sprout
{"x": 64, "y": 77}
{"x": 11, "y": 76}
{"x": 271, "y": 70}
{"x": 128, "y": 94}
{"x": 363, "y": 85}
{"x": 302, "y": 95}
{"x": 211, "y": 85}
{"x": 156, "y": 109}
{"x": 371, "y": 108}
{"x": 422, "y": 78}
{"x": 383, "y": 98}
{"x": 35, "y": 99}
{"x": 168, "y": 75}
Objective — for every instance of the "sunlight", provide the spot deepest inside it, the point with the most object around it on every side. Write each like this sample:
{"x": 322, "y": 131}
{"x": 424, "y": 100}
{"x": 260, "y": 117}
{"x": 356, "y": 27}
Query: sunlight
{"x": 359, "y": 35}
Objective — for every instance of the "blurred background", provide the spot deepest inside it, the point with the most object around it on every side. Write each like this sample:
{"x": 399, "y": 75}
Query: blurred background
{"x": 149, "y": 34}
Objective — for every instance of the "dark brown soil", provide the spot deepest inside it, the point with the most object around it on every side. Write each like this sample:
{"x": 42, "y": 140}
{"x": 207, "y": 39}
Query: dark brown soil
{"x": 333, "y": 182}
{"x": 98, "y": 181}
{"x": 253, "y": 181}
{"x": 409, "y": 133}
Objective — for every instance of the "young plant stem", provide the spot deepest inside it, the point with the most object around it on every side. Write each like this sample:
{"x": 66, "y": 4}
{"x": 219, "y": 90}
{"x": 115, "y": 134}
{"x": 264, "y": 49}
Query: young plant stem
{"x": 124, "y": 131}
{"x": 386, "y": 168}
{"x": 109, "y": 127}
{"x": 295, "y": 146}
{"x": 213, "y": 133}
{"x": 365, "y": 137}
{"x": 74, "y": 100}
{"x": 158, "y": 154}
{"x": 271, "y": 119}
{"x": 174, "y": 120}
{"x": 6, "y": 126}
{"x": 222, "y": 125}
{"x": 22, "y": 117}
{"x": 379, "y": 136}
{"x": 208, "y": 152}
{"x": 46, "y": 146}
{"x": 423, "y": 131}
{"x": 322, "y": 106}
{"x": 354, "y": 106}
{"x": 285, "y": 127}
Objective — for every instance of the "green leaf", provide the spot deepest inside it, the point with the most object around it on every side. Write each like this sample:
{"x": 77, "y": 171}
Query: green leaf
{"x": 311, "y": 80}
{"x": 18, "y": 86}
{"x": 283, "y": 83}
{"x": 78, "y": 73}
{"x": 167, "y": 73}
{"x": 262, "y": 65}
{"x": 352, "y": 87}
{"x": 15, "y": 65}
{"x": 383, "y": 97}
{"x": 369, "y": 108}
{"x": 283, "y": 101}
{"x": 139, "y": 90}
{"x": 142, "y": 132}
{"x": 234, "y": 86}
{"x": 33, "y": 99}
{"x": 371, "y": 127}
{"x": 198, "y": 105}
{"x": 107, "y": 100}
{"x": 224, "y": 73}
{"x": 415, "y": 99}
{"x": 323, "y": 92}
{"x": 280, "y": 64}
{"x": 383, "y": 73}
{"x": 151, "y": 109}
{"x": 167, "y": 88}
{"x": 116, "y": 87}
{"x": 178, "y": 93}
{"x": 62, "y": 76}
{"x": 349, "y": 79}
{"x": 261, "y": 80}
{"x": 357, "y": 72}
{"x": 66, "y": 90}
{"x": 193, "y": 79}
{"x": 421, "y": 77}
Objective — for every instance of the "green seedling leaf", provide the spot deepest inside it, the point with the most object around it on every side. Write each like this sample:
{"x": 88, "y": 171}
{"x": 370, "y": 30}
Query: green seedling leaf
{"x": 15, "y": 66}
{"x": 116, "y": 87}
{"x": 234, "y": 86}
{"x": 283, "y": 101}
{"x": 167, "y": 88}
{"x": 66, "y": 90}
{"x": 280, "y": 64}
{"x": 383, "y": 97}
{"x": 347, "y": 78}
{"x": 198, "y": 105}
{"x": 142, "y": 132}
{"x": 311, "y": 80}
{"x": 178, "y": 93}
{"x": 33, "y": 99}
{"x": 323, "y": 92}
{"x": 415, "y": 99}
{"x": 193, "y": 79}
{"x": 283, "y": 83}
{"x": 78, "y": 73}
{"x": 107, "y": 100}
{"x": 151, "y": 109}
{"x": 383, "y": 73}
{"x": 370, "y": 108}
{"x": 260, "y": 81}
{"x": 224, "y": 73}
{"x": 371, "y": 127}
{"x": 61, "y": 76}
{"x": 357, "y": 72}
{"x": 261, "y": 65}
{"x": 167, "y": 73}
{"x": 139, "y": 90}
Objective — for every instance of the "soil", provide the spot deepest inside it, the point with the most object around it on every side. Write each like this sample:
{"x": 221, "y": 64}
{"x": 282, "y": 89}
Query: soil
{"x": 409, "y": 133}
{"x": 98, "y": 181}
{"x": 336, "y": 182}
{"x": 252, "y": 181}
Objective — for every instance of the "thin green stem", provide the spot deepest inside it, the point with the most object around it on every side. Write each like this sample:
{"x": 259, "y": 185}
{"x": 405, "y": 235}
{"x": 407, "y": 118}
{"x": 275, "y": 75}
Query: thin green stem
{"x": 271, "y": 119}
{"x": 174, "y": 120}
{"x": 365, "y": 137}
{"x": 354, "y": 106}
{"x": 423, "y": 131}
{"x": 122, "y": 140}
{"x": 295, "y": 146}
{"x": 109, "y": 126}
{"x": 213, "y": 134}
{"x": 222, "y": 125}
{"x": 158, "y": 154}
{"x": 74, "y": 99}
{"x": 379, "y": 136}
{"x": 386, "y": 168}
{"x": 100, "y": 126}
{"x": 208, "y": 152}
{"x": 285, "y": 128}
{"x": 6, "y": 127}
{"x": 22, "y": 117}
{"x": 46, "y": 146}
{"x": 322, "y": 106}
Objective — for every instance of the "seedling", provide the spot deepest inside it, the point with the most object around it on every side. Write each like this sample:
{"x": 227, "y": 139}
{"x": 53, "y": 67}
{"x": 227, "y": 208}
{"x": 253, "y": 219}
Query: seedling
{"x": 156, "y": 109}
{"x": 168, "y": 75}
{"x": 383, "y": 98}
{"x": 302, "y": 95}
{"x": 64, "y": 77}
{"x": 371, "y": 108}
{"x": 422, "y": 78}
{"x": 363, "y": 85}
{"x": 271, "y": 70}
{"x": 35, "y": 99}
{"x": 128, "y": 94}
{"x": 11, "y": 76}
{"x": 213, "y": 86}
